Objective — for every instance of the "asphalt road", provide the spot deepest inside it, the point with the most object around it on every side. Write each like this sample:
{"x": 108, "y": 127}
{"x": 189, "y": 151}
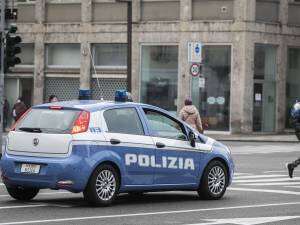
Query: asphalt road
{"x": 261, "y": 193}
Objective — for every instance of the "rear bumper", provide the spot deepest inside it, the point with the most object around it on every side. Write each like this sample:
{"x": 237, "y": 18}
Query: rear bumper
{"x": 73, "y": 169}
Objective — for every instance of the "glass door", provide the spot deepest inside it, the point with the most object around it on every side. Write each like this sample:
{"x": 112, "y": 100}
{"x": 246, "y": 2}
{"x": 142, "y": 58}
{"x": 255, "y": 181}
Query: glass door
{"x": 211, "y": 91}
{"x": 264, "y": 107}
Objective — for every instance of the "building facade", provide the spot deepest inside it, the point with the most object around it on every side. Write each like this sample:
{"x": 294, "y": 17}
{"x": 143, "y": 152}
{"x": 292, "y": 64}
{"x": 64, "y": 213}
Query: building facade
{"x": 251, "y": 56}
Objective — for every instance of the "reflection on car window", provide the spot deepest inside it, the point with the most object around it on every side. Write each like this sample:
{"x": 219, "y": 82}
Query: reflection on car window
{"x": 123, "y": 120}
{"x": 164, "y": 126}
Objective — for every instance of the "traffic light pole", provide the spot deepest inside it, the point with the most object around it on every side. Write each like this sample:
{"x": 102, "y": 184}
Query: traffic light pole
{"x": 2, "y": 30}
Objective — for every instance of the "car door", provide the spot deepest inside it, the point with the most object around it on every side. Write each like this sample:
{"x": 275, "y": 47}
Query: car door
{"x": 177, "y": 162}
{"x": 127, "y": 138}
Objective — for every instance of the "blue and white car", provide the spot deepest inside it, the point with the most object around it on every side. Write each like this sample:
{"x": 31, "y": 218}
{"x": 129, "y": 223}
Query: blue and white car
{"x": 106, "y": 148}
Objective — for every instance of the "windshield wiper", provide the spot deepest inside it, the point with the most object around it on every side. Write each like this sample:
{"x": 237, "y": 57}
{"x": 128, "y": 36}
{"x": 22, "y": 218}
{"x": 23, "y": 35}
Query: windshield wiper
{"x": 31, "y": 129}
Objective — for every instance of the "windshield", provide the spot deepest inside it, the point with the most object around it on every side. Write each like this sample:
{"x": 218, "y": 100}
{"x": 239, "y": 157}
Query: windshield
{"x": 48, "y": 121}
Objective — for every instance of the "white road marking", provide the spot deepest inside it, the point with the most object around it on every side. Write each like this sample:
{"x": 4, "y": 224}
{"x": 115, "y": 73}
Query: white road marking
{"x": 266, "y": 180}
{"x": 271, "y": 184}
{"x": 258, "y": 176}
{"x": 276, "y": 171}
{"x": 292, "y": 186}
{"x": 23, "y": 206}
{"x": 149, "y": 213}
{"x": 265, "y": 190}
{"x": 239, "y": 174}
{"x": 247, "y": 221}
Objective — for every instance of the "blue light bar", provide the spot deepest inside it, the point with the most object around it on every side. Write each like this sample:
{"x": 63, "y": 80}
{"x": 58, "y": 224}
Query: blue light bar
{"x": 121, "y": 96}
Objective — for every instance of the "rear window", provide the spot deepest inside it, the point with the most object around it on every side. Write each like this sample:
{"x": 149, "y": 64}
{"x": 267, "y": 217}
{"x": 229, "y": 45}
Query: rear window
{"x": 48, "y": 121}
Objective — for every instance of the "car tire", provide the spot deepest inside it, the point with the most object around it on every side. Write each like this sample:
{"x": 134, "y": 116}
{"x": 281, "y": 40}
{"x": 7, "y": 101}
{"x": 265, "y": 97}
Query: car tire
{"x": 214, "y": 181}
{"x": 103, "y": 186}
{"x": 22, "y": 194}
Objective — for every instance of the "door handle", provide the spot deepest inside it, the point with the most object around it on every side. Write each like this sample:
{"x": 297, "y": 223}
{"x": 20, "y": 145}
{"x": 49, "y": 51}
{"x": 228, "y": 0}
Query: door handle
{"x": 115, "y": 141}
{"x": 160, "y": 145}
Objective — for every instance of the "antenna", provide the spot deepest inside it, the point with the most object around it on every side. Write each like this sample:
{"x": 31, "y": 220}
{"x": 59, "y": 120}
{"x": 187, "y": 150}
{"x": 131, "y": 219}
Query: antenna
{"x": 95, "y": 71}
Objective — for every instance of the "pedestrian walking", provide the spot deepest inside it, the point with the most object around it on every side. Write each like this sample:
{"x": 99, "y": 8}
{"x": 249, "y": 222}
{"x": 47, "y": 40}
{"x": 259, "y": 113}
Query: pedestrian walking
{"x": 295, "y": 114}
{"x": 5, "y": 113}
{"x": 19, "y": 109}
{"x": 53, "y": 98}
{"x": 191, "y": 115}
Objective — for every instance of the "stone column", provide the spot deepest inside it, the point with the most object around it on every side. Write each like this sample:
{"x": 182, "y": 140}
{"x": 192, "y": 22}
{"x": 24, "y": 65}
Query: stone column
{"x": 85, "y": 66}
{"x": 283, "y": 11}
{"x": 85, "y": 49}
{"x": 281, "y": 85}
{"x": 185, "y": 10}
{"x": 86, "y": 11}
{"x": 40, "y": 11}
{"x": 136, "y": 11}
{"x": 184, "y": 78}
{"x": 135, "y": 52}
{"x": 244, "y": 10}
{"x": 241, "y": 101}
{"x": 241, "y": 91}
{"x": 39, "y": 71}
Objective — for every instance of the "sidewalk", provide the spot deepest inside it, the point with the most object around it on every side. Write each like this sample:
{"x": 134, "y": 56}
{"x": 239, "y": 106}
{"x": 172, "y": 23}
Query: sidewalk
{"x": 258, "y": 137}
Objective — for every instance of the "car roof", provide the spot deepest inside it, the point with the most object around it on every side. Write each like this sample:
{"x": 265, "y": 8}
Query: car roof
{"x": 91, "y": 105}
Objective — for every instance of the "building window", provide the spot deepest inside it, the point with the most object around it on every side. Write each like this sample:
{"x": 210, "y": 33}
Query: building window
{"x": 63, "y": 55}
{"x": 26, "y": 55}
{"x": 160, "y": 76}
{"x": 110, "y": 55}
{"x": 293, "y": 82}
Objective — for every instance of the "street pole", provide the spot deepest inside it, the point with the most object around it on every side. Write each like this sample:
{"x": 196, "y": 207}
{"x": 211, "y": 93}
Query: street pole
{"x": 2, "y": 29}
{"x": 129, "y": 44}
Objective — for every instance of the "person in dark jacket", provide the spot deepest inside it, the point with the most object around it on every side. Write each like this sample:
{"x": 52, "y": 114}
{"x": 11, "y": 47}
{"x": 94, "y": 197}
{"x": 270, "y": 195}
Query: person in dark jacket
{"x": 295, "y": 115}
{"x": 19, "y": 109}
{"x": 190, "y": 115}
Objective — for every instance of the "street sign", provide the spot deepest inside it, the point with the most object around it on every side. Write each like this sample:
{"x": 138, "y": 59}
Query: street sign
{"x": 195, "y": 69}
{"x": 195, "y": 52}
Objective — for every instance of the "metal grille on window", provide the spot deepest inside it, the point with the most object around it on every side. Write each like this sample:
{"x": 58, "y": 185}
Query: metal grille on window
{"x": 107, "y": 89}
{"x": 64, "y": 88}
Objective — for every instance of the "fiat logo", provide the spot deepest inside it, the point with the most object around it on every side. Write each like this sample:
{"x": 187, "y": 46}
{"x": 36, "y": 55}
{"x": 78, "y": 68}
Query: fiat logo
{"x": 35, "y": 141}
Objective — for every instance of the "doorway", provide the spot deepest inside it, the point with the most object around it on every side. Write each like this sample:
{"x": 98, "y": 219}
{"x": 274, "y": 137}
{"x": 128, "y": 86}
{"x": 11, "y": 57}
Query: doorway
{"x": 264, "y": 95}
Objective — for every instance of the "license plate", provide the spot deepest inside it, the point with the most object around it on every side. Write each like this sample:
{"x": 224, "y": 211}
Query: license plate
{"x": 30, "y": 168}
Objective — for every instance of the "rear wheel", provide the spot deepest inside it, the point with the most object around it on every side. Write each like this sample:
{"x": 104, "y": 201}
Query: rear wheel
{"x": 103, "y": 186}
{"x": 214, "y": 181}
{"x": 22, "y": 194}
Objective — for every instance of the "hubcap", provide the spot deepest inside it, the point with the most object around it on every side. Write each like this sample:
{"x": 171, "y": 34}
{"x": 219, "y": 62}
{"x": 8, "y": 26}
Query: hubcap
{"x": 216, "y": 180}
{"x": 105, "y": 185}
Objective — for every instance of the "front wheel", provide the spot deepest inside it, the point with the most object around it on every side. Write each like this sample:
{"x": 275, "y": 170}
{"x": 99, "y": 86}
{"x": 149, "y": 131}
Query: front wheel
{"x": 22, "y": 194}
{"x": 214, "y": 181}
{"x": 103, "y": 186}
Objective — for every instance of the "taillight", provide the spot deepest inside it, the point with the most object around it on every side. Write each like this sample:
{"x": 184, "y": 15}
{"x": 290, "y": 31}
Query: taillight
{"x": 13, "y": 127}
{"x": 81, "y": 124}
{"x": 56, "y": 107}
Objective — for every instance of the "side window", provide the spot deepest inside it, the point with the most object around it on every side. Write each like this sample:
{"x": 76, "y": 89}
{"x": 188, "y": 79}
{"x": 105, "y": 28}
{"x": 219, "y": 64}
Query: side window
{"x": 164, "y": 126}
{"x": 123, "y": 120}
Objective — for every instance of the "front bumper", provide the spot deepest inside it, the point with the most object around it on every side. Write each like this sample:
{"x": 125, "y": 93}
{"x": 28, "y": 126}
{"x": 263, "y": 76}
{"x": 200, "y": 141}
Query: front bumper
{"x": 73, "y": 169}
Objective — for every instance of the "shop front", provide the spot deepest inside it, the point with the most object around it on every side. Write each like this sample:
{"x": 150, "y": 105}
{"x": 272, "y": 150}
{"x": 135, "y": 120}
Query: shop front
{"x": 211, "y": 90}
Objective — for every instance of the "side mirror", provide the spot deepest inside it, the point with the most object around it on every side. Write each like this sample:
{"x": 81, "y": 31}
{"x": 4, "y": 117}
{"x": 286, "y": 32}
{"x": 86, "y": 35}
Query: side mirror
{"x": 192, "y": 138}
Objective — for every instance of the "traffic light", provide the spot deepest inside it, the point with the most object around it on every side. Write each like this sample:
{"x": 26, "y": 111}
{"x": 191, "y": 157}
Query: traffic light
{"x": 12, "y": 48}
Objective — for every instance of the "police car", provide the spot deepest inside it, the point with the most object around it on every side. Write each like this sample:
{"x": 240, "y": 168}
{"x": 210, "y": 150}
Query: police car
{"x": 105, "y": 148}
